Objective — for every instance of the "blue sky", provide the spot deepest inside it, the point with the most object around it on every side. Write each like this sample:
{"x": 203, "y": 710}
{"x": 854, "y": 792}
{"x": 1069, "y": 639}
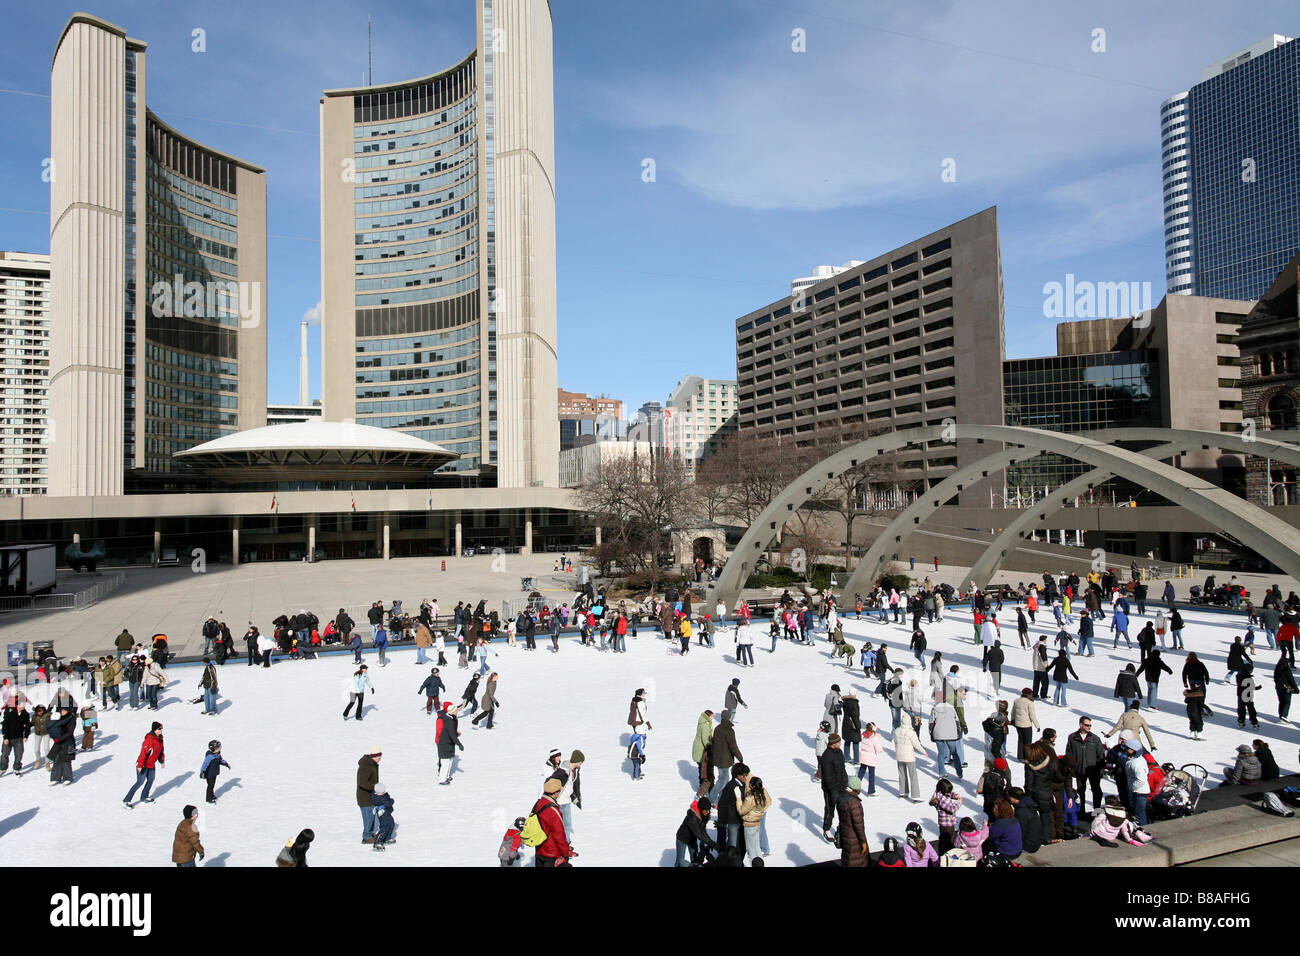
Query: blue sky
{"x": 768, "y": 162}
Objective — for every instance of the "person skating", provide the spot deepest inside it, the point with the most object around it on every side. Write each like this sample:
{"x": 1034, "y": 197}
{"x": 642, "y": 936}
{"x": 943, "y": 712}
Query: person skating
{"x": 295, "y": 851}
{"x": 1040, "y": 661}
{"x": 1246, "y": 688}
{"x": 15, "y": 728}
{"x": 692, "y": 836}
{"x": 367, "y": 779}
{"x": 447, "y": 736}
{"x": 636, "y": 754}
{"x": 1062, "y": 671}
{"x": 489, "y": 702}
{"x": 834, "y": 780}
{"x": 356, "y": 646}
{"x": 832, "y": 707}
{"x": 385, "y": 824}
{"x": 89, "y": 724}
{"x": 63, "y": 746}
{"x": 1285, "y": 685}
{"x": 470, "y": 697}
{"x": 212, "y": 764}
{"x": 266, "y": 650}
{"x": 702, "y": 752}
{"x": 112, "y": 683}
{"x": 511, "y": 852}
{"x": 381, "y": 645}
{"x": 993, "y": 659}
{"x": 250, "y": 648}
{"x": 725, "y": 751}
{"x": 1133, "y": 721}
{"x": 432, "y": 689}
{"x": 638, "y": 714}
{"x": 357, "y": 692}
{"x": 852, "y": 830}
{"x": 732, "y": 699}
{"x": 945, "y": 731}
{"x": 1023, "y": 717}
{"x": 209, "y": 685}
{"x": 152, "y": 756}
{"x": 155, "y": 679}
{"x": 185, "y": 843}
{"x": 906, "y": 746}
{"x": 555, "y": 849}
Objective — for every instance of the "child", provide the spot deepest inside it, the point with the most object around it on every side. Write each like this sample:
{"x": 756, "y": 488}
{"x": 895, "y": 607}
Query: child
{"x": 947, "y": 804}
{"x": 820, "y": 745}
{"x": 636, "y": 754}
{"x": 462, "y": 652}
{"x": 1071, "y": 814}
{"x": 868, "y": 658}
{"x": 212, "y": 764}
{"x": 890, "y": 855}
{"x": 971, "y": 838}
{"x": 917, "y": 852}
{"x": 383, "y": 802}
{"x": 89, "y": 721}
{"x": 40, "y": 720}
{"x": 1114, "y": 825}
{"x": 510, "y": 853}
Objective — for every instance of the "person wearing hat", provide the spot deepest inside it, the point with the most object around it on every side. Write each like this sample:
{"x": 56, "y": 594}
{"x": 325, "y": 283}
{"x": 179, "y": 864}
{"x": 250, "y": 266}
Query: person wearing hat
{"x": 834, "y": 779}
{"x": 692, "y": 835}
{"x": 833, "y": 707}
{"x": 185, "y": 843}
{"x": 1134, "y": 721}
{"x": 447, "y": 736}
{"x": 732, "y": 699}
{"x": 432, "y": 689}
{"x": 891, "y": 854}
{"x": 212, "y": 764}
{"x": 853, "y": 830}
{"x": 571, "y": 796}
{"x": 385, "y": 823}
{"x": 555, "y": 849}
{"x": 1023, "y": 718}
{"x": 1137, "y": 771}
{"x": 1039, "y": 655}
{"x": 1246, "y": 770}
{"x": 367, "y": 778}
{"x": 851, "y": 729}
{"x": 994, "y": 784}
{"x": 357, "y": 695}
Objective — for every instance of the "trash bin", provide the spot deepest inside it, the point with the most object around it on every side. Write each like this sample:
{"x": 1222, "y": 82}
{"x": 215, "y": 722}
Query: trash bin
{"x": 42, "y": 649}
{"x": 16, "y": 653}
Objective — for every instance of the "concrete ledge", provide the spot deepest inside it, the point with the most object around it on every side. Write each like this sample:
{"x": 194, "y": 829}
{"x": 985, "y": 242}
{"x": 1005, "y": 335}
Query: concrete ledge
{"x": 1178, "y": 841}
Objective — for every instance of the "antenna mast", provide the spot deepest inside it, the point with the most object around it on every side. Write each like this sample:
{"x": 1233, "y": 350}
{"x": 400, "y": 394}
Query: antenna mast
{"x": 370, "y": 54}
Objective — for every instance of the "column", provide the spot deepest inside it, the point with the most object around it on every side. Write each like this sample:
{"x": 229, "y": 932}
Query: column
{"x": 157, "y": 543}
{"x": 528, "y": 532}
{"x": 234, "y": 543}
{"x": 387, "y": 553}
{"x": 311, "y": 538}
{"x": 458, "y": 533}
{"x": 598, "y": 536}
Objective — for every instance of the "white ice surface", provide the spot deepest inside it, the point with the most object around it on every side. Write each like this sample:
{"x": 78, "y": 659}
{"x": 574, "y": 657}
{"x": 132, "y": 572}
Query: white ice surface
{"x": 294, "y": 758}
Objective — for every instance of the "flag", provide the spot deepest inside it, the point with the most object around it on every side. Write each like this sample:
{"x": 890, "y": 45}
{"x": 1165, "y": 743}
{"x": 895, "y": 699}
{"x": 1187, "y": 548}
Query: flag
{"x": 354, "y": 502}
{"x": 273, "y": 502}
{"x": 430, "y": 501}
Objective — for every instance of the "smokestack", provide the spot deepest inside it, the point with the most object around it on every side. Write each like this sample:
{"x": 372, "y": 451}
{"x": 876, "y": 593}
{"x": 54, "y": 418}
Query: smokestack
{"x": 304, "y": 374}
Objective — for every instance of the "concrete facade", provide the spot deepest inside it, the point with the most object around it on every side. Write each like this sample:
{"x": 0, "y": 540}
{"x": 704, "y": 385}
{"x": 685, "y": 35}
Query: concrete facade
{"x": 914, "y": 336}
{"x": 697, "y": 418}
{"x": 25, "y": 369}
{"x": 158, "y": 258}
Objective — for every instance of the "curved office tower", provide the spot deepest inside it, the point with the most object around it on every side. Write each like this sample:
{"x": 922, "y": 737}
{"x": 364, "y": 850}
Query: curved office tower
{"x": 438, "y": 252}
{"x": 158, "y": 276}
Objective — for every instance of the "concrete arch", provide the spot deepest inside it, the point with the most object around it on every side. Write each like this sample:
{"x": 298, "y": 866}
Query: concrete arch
{"x": 1185, "y": 440}
{"x": 1267, "y": 534}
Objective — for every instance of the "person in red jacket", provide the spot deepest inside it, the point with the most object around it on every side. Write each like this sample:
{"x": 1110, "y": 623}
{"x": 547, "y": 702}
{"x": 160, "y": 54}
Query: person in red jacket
{"x": 151, "y": 755}
{"x": 555, "y": 849}
{"x": 620, "y": 634}
{"x": 1287, "y": 635}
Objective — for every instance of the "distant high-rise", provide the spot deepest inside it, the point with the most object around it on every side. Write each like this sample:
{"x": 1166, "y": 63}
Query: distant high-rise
{"x": 25, "y": 369}
{"x": 438, "y": 252}
{"x": 1230, "y": 159}
{"x": 158, "y": 259}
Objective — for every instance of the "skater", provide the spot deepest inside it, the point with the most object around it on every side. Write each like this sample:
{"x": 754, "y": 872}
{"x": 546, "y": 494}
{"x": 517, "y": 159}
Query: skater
{"x": 744, "y": 646}
{"x": 872, "y": 748}
{"x": 212, "y": 764}
{"x": 250, "y": 649}
{"x": 208, "y": 683}
{"x": 732, "y": 699}
{"x": 834, "y": 780}
{"x": 367, "y": 780}
{"x": 851, "y": 729}
{"x": 852, "y": 830}
{"x": 1085, "y": 635}
{"x": 63, "y": 746}
{"x": 111, "y": 681}
{"x": 692, "y": 836}
{"x": 994, "y": 785}
{"x": 15, "y": 728}
{"x": 725, "y": 750}
{"x": 638, "y": 712}
{"x": 1246, "y": 688}
{"x": 1119, "y": 626}
{"x": 906, "y": 746}
{"x": 1062, "y": 671}
{"x": 511, "y": 853}
{"x": 701, "y": 752}
{"x": 470, "y": 697}
{"x": 185, "y": 844}
{"x": 1237, "y": 660}
{"x": 423, "y": 641}
{"x": 1151, "y": 669}
{"x": 992, "y": 663}
{"x": 636, "y": 754}
{"x": 154, "y": 680}
{"x": 1039, "y": 655}
{"x": 833, "y": 707}
{"x": 1284, "y": 684}
{"x": 381, "y": 645}
{"x": 947, "y": 805}
{"x": 1023, "y": 716}
{"x": 1126, "y": 686}
{"x": 357, "y": 694}
{"x": 1176, "y": 629}
{"x": 447, "y": 737}
{"x": 356, "y": 646}
{"x": 152, "y": 755}
{"x": 490, "y": 702}
{"x": 571, "y": 795}
{"x": 555, "y": 633}
{"x": 893, "y": 693}
{"x": 554, "y": 850}
{"x": 946, "y": 734}
{"x": 432, "y": 689}
{"x": 1134, "y": 722}
{"x": 385, "y": 824}
{"x": 266, "y": 650}
{"x": 89, "y": 723}
{"x": 295, "y": 851}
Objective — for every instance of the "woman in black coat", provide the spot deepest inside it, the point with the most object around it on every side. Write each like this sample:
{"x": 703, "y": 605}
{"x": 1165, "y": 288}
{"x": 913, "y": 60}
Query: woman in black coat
{"x": 1195, "y": 679}
{"x": 1195, "y": 674}
{"x": 1151, "y": 669}
{"x": 1284, "y": 684}
{"x": 1126, "y": 686}
{"x": 1038, "y": 785}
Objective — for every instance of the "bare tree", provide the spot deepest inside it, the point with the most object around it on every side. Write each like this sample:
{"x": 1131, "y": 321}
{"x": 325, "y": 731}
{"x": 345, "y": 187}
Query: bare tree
{"x": 637, "y": 501}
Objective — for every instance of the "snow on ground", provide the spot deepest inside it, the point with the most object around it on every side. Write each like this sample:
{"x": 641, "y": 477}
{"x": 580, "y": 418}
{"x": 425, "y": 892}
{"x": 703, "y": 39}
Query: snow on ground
{"x": 293, "y": 758}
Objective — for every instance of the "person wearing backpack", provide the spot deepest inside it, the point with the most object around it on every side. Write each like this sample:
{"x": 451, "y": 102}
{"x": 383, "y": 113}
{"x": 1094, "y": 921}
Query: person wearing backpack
{"x": 636, "y": 754}
{"x": 638, "y": 713}
{"x": 833, "y": 707}
{"x": 510, "y": 853}
{"x": 994, "y": 785}
{"x": 544, "y": 829}
{"x": 995, "y": 731}
{"x": 212, "y": 764}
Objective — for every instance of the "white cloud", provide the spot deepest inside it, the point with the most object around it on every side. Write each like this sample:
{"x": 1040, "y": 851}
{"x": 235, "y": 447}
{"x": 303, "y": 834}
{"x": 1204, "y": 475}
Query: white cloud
{"x": 313, "y": 315}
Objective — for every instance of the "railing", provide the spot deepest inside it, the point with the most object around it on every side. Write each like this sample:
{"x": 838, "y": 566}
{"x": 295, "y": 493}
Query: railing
{"x": 74, "y": 601}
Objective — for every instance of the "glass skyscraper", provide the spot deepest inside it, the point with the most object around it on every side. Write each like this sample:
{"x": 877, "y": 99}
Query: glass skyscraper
{"x": 1230, "y": 154}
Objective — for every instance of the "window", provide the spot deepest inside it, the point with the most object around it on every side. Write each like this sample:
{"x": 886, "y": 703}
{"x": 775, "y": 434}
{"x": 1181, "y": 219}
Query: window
{"x": 1281, "y": 412}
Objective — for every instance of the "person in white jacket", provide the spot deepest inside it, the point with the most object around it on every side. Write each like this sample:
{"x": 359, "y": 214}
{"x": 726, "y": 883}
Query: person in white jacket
{"x": 357, "y": 692}
{"x": 265, "y": 646}
{"x": 913, "y": 700}
{"x": 906, "y": 747}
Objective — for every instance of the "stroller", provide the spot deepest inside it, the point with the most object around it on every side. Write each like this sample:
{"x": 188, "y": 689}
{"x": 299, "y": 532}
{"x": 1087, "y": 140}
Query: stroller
{"x": 1181, "y": 793}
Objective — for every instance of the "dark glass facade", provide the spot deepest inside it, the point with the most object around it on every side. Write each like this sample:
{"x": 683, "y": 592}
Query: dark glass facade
{"x": 1244, "y": 143}
{"x": 1078, "y": 393}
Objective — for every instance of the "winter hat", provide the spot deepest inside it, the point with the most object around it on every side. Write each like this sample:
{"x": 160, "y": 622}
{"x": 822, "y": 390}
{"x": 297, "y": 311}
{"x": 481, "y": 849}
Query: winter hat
{"x": 554, "y": 755}
{"x": 705, "y": 805}
{"x": 834, "y": 739}
{"x": 1245, "y": 749}
{"x": 855, "y": 783}
{"x": 519, "y": 823}
{"x": 1000, "y": 763}
{"x": 851, "y": 693}
{"x": 155, "y": 728}
{"x": 435, "y": 671}
{"x": 1125, "y": 734}
{"x": 380, "y": 788}
{"x": 824, "y": 725}
{"x": 214, "y": 745}
{"x": 835, "y": 687}
{"x": 552, "y": 785}
{"x": 190, "y": 810}
{"x": 364, "y": 667}
{"x": 577, "y": 757}
{"x": 376, "y": 752}
{"x": 735, "y": 681}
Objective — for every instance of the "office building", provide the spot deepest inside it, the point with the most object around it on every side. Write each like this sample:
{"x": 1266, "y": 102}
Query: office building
{"x": 158, "y": 258}
{"x": 579, "y": 463}
{"x": 819, "y": 274}
{"x": 24, "y": 372}
{"x": 438, "y": 253}
{"x": 647, "y": 425}
{"x": 698, "y": 417}
{"x": 580, "y": 405}
{"x": 912, "y": 337}
{"x": 1231, "y": 173}
{"x": 288, "y": 414}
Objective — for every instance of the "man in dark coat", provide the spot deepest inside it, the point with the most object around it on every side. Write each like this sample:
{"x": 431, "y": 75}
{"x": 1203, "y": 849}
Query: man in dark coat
{"x": 729, "y": 823}
{"x": 834, "y": 778}
{"x": 692, "y": 837}
{"x": 367, "y": 777}
{"x": 15, "y": 728}
{"x": 725, "y": 750}
{"x": 1088, "y": 754}
{"x": 993, "y": 658}
{"x": 447, "y": 737}
{"x": 1031, "y": 826}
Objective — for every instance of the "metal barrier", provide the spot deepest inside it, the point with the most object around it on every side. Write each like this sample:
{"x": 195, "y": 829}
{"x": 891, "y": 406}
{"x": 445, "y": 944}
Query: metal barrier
{"x": 74, "y": 601}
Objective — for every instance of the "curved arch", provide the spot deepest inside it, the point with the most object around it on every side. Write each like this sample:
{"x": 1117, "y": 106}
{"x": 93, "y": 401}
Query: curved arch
{"x": 1267, "y": 534}
{"x": 1185, "y": 440}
